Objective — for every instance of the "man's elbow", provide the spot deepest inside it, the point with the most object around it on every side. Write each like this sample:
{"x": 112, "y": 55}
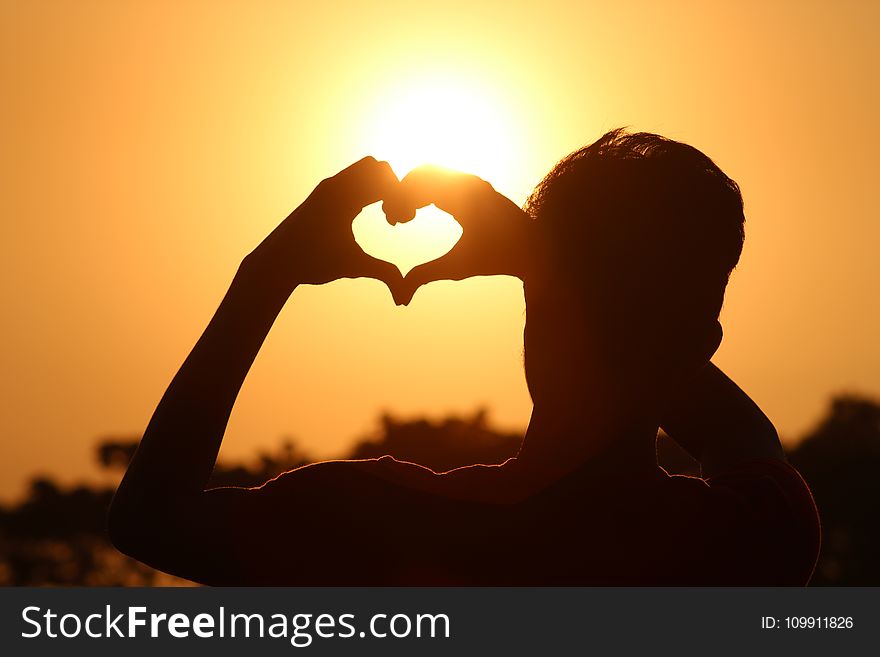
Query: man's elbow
{"x": 132, "y": 527}
{"x": 120, "y": 528}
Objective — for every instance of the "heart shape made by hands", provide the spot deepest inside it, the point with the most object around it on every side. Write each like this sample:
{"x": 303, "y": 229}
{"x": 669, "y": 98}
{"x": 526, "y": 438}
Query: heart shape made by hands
{"x": 432, "y": 234}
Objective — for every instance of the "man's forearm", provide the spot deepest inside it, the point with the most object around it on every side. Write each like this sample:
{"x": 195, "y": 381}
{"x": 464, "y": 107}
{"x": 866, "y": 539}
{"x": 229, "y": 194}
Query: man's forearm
{"x": 718, "y": 424}
{"x": 180, "y": 445}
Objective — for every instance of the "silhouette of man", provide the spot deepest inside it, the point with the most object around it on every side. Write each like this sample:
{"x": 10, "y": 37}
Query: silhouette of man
{"x": 624, "y": 249}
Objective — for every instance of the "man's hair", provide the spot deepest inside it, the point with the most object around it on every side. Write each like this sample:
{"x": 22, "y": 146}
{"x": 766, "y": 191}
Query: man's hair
{"x": 643, "y": 224}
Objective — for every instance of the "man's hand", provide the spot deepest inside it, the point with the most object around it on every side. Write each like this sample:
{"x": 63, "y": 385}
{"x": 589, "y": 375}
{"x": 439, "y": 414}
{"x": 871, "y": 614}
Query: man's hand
{"x": 495, "y": 238}
{"x": 315, "y": 244}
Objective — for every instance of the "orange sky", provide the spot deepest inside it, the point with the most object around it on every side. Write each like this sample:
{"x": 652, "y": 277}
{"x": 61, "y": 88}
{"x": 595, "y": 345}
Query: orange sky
{"x": 147, "y": 147}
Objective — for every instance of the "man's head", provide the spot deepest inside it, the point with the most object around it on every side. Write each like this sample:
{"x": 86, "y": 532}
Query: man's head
{"x": 638, "y": 237}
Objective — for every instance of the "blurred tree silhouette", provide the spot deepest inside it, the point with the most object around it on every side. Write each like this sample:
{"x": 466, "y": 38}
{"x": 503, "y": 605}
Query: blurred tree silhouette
{"x": 840, "y": 459}
{"x": 57, "y": 536}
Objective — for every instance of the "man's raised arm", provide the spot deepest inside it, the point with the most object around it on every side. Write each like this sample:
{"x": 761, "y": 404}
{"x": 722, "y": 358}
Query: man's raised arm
{"x": 161, "y": 513}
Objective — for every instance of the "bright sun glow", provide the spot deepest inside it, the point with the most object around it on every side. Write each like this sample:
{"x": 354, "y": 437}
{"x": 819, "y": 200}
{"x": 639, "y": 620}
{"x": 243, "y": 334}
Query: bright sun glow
{"x": 439, "y": 120}
{"x": 445, "y": 122}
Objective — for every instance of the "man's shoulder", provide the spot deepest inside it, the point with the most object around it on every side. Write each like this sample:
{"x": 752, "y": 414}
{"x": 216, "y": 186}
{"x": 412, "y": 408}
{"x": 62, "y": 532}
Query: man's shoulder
{"x": 357, "y": 475}
{"x": 474, "y": 483}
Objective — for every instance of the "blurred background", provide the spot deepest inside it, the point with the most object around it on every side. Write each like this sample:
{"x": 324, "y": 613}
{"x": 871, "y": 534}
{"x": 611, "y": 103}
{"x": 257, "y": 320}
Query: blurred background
{"x": 147, "y": 147}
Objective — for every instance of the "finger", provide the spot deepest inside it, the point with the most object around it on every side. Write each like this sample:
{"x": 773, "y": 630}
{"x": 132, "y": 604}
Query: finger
{"x": 364, "y": 182}
{"x": 447, "y": 267}
{"x": 371, "y": 267}
{"x": 451, "y": 191}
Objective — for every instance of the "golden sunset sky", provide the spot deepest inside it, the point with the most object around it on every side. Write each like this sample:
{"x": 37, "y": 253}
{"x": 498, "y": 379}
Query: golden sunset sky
{"x": 148, "y": 146}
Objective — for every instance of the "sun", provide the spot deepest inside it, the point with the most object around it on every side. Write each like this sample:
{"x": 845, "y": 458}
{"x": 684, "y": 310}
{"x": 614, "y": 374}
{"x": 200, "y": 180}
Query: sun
{"x": 446, "y": 120}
